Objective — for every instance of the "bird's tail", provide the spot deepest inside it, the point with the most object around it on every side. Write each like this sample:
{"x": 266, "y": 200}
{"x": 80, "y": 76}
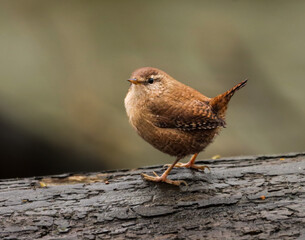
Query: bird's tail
{"x": 220, "y": 102}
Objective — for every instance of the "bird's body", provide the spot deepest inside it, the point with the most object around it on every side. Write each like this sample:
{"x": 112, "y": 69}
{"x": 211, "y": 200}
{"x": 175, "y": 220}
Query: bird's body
{"x": 174, "y": 118}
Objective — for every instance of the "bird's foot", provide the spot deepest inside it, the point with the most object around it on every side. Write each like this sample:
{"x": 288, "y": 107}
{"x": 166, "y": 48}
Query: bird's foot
{"x": 162, "y": 178}
{"x": 189, "y": 165}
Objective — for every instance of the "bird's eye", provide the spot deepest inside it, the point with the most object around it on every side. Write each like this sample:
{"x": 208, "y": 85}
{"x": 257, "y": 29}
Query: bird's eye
{"x": 150, "y": 80}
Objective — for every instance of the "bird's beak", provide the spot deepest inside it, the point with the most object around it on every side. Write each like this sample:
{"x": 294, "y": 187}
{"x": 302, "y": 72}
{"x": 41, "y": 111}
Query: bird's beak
{"x": 133, "y": 81}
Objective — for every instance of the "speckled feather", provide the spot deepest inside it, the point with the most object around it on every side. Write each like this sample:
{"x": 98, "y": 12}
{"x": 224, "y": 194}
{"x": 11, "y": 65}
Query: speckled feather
{"x": 173, "y": 117}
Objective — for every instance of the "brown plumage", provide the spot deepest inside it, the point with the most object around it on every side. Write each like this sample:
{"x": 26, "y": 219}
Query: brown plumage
{"x": 174, "y": 118}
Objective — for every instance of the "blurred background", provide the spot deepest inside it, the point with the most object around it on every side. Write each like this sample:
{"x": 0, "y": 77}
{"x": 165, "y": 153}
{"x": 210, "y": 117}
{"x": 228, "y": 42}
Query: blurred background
{"x": 64, "y": 65}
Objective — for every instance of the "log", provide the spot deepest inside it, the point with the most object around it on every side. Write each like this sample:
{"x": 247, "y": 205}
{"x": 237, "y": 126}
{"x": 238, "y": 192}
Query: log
{"x": 253, "y": 197}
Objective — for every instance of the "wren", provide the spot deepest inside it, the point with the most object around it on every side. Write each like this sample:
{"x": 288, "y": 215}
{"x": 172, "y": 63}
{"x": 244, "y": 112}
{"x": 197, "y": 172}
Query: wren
{"x": 174, "y": 118}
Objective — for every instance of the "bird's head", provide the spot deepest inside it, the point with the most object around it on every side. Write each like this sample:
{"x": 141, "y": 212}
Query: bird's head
{"x": 149, "y": 81}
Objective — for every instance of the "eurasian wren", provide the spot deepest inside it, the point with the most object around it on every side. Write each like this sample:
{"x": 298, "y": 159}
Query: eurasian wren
{"x": 174, "y": 118}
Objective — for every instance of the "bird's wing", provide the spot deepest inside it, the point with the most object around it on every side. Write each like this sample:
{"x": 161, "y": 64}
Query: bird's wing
{"x": 188, "y": 116}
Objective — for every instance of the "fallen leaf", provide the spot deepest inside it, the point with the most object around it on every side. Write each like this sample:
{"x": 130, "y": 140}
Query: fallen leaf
{"x": 216, "y": 157}
{"x": 42, "y": 184}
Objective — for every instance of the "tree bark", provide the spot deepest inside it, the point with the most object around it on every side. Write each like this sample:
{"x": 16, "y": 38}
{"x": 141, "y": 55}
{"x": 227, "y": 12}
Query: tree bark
{"x": 256, "y": 197}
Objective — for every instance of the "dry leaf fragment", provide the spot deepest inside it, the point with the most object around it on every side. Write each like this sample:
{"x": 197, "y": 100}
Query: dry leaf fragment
{"x": 42, "y": 184}
{"x": 216, "y": 157}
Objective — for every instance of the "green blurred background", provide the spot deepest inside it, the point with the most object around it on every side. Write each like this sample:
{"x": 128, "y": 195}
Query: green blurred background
{"x": 64, "y": 65}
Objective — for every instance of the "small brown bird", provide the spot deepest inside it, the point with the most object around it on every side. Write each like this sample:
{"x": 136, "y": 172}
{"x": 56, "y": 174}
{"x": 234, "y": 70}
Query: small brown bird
{"x": 174, "y": 118}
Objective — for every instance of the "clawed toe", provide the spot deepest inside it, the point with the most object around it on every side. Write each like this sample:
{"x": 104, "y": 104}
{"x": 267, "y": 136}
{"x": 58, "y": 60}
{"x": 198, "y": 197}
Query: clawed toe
{"x": 201, "y": 167}
{"x": 157, "y": 178}
{"x": 188, "y": 165}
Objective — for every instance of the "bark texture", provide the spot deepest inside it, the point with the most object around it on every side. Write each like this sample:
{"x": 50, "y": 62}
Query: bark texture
{"x": 260, "y": 197}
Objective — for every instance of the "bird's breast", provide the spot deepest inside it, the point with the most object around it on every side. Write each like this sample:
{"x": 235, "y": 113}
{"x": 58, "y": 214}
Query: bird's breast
{"x": 130, "y": 105}
{"x": 135, "y": 107}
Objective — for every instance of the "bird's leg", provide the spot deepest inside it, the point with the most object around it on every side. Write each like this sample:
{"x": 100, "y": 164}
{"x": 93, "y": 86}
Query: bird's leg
{"x": 163, "y": 177}
{"x": 191, "y": 164}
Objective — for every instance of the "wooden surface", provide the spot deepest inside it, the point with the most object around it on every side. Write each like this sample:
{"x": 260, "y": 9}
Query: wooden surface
{"x": 260, "y": 197}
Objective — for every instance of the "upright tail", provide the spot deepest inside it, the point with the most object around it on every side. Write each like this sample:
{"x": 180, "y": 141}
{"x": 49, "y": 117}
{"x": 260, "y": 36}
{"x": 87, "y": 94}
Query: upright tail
{"x": 220, "y": 102}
